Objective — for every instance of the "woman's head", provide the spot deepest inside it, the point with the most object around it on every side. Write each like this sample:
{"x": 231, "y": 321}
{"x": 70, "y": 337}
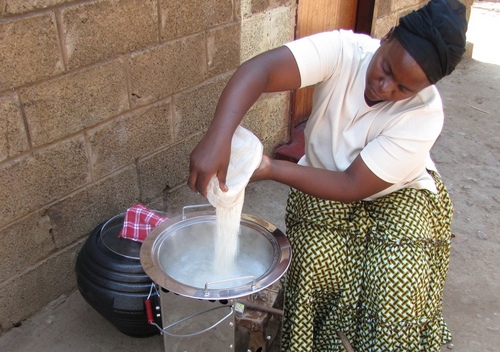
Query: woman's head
{"x": 393, "y": 74}
{"x": 433, "y": 37}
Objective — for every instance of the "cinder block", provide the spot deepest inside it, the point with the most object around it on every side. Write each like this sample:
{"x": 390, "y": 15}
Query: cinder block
{"x": 13, "y": 7}
{"x": 13, "y": 139}
{"x": 382, "y": 9}
{"x": 279, "y": 138}
{"x": 103, "y": 29}
{"x": 77, "y": 215}
{"x": 258, "y": 6}
{"x": 255, "y": 118}
{"x": 408, "y": 5}
{"x": 24, "y": 295}
{"x": 68, "y": 104}
{"x": 253, "y": 37}
{"x": 166, "y": 169}
{"x": 29, "y": 51}
{"x": 281, "y": 26}
{"x": 253, "y": 7}
{"x": 387, "y": 14}
{"x": 237, "y": 11}
{"x": 382, "y": 25}
{"x": 33, "y": 181}
{"x": 266, "y": 31}
{"x": 223, "y": 49}
{"x": 278, "y": 3}
{"x": 278, "y": 126}
{"x": 24, "y": 244}
{"x": 122, "y": 140}
{"x": 167, "y": 69}
{"x": 181, "y": 18}
{"x": 277, "y": 117}
{"x": 269, "y": 120}
{"x": 195, "y": 108}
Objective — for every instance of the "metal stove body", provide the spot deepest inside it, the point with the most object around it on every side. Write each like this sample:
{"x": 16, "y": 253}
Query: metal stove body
{"x": 247, "y": 324}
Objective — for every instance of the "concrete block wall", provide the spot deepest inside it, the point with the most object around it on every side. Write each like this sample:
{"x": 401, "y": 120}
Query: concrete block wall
{"x": 101, "y": 102}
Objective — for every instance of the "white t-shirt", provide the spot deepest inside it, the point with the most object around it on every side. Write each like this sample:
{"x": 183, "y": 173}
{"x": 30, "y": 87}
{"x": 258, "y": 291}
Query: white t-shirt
{"x": 394, "y": 138}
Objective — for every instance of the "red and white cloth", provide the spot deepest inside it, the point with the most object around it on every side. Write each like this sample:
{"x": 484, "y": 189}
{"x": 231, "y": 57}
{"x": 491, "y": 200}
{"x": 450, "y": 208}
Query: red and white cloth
{"x": 139, "y": 222}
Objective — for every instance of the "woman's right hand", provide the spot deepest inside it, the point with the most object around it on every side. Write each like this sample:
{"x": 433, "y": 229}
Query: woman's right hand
{"x": 210, "y": 157}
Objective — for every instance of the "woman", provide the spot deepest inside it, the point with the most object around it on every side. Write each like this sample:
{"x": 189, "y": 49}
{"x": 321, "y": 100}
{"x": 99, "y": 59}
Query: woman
{"x": 367, "y": 215}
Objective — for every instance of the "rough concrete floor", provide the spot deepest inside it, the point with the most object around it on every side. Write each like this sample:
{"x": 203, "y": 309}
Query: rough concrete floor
{"x": 467, "y": 155}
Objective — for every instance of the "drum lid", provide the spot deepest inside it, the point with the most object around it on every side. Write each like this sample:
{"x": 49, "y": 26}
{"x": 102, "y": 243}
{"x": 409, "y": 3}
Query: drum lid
{"x": 110, "y": 237}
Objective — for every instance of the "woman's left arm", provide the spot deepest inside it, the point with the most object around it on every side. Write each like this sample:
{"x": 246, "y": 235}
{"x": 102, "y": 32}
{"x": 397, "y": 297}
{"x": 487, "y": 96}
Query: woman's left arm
{"x": 357, "y": 182}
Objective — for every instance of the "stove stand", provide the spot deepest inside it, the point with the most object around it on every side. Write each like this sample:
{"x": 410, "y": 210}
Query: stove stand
{"x": 250, "y": 323}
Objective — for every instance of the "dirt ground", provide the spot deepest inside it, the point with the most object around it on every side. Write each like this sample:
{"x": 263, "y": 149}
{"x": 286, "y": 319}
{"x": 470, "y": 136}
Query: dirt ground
{"x": 468, "y": 157}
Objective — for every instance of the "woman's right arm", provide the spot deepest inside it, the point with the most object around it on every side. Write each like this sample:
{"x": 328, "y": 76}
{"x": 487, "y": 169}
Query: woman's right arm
{"x": 272, "y": 71}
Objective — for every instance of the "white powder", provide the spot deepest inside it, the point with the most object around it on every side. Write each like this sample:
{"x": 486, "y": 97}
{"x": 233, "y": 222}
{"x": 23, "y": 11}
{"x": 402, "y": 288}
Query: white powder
{"x": 226, "y": 235}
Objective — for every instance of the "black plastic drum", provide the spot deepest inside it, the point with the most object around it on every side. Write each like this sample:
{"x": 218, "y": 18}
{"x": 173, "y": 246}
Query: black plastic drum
{"x": 111, "y": 279}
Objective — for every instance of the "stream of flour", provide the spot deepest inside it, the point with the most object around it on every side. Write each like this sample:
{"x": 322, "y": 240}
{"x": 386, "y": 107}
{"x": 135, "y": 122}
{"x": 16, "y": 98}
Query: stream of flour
{"x": 226, "y": 237}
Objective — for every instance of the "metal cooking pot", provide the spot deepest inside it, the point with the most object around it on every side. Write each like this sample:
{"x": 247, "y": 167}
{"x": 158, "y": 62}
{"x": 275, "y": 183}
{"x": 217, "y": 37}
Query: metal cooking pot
{"x": 179, "y": 256}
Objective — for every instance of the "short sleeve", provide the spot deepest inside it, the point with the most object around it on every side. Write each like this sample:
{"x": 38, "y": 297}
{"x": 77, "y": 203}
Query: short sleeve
{"x": 321, "y": 56}
{"x": 316, "y": 56}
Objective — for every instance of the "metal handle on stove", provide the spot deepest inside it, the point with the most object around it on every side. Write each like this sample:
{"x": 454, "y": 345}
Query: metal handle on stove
{"x": 164, "y": 330}
{"x": 254, "y": 282}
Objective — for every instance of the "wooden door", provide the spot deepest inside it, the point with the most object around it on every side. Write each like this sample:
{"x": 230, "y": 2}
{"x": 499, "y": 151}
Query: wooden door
{"x": 314, "y": 16}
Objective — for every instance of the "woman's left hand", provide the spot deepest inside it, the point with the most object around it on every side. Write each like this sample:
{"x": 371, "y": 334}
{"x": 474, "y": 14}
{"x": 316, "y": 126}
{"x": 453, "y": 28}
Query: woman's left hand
{"x": 263, "y": 172}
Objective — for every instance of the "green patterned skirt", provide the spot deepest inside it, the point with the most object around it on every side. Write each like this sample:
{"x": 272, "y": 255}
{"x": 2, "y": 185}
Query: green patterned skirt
{"x": 373, "y": 270}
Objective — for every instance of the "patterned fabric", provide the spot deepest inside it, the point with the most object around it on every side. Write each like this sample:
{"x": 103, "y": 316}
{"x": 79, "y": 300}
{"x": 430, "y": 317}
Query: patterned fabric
{"x": 139, "y": 222}
{"x": 373, "y": 270}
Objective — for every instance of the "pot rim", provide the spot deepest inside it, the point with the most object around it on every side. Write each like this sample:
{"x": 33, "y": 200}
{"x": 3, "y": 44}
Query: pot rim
{"x": 153, "y": 269}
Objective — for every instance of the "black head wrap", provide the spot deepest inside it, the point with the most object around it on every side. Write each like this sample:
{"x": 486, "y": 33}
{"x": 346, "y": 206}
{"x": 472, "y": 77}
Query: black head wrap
{"x": 434, "y": 36}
